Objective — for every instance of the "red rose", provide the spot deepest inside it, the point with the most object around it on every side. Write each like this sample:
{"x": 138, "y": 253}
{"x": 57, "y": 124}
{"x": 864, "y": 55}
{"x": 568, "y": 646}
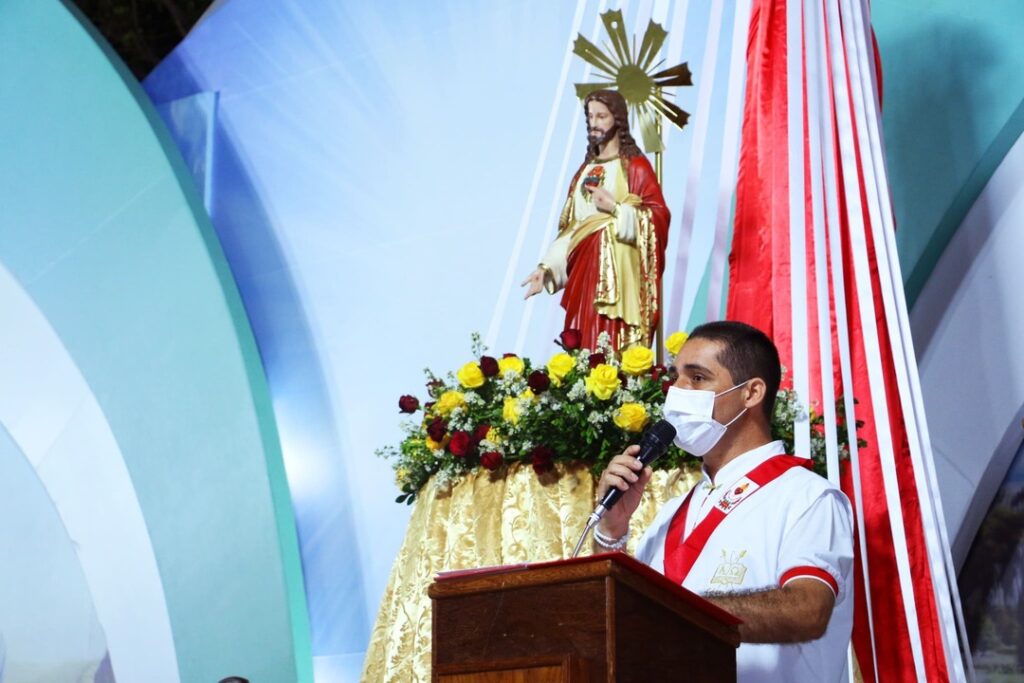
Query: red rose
{"x": 461, "y": 444}
{"x": 434, "y": 387}
{"x": 570, "y": 339}
{"x": 408, "y": 404}
{"x": 666, "y": 385}
{"x": 509, "y": 355}
{"x": 480, "y": 433}
{"x": 437, "y": 429}
{"x": 657, "y": 371}
{"x": 491, "y": 460}
{"x": 542, "y": 459}
{"x": 596, "y": 359}
{"x": 538, "y": 381}
{"x": 489, "y": 366}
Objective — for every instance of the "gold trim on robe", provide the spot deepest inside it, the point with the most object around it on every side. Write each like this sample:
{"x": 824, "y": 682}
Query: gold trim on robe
{"x": 627, "y": 287}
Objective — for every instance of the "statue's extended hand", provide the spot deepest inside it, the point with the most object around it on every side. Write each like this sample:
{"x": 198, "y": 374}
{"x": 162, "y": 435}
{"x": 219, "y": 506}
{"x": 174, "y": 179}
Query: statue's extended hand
{"x": 535, "y": 282}
{"x": 603, "y": 199}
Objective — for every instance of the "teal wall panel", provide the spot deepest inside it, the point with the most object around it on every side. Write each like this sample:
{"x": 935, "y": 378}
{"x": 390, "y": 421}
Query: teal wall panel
{"x": 953, "y": 105}
{"x": 100, "y": 225}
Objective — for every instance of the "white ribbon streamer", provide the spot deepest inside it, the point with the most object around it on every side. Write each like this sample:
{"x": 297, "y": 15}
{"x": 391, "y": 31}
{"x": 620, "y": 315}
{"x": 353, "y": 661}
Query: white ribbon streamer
{"x": 524, "y": 220}
{"x": 865, "y": 98}
{"x": 866, "y": 306}
{"x": 731, "y": 133}
{"x": 797, "y": 223}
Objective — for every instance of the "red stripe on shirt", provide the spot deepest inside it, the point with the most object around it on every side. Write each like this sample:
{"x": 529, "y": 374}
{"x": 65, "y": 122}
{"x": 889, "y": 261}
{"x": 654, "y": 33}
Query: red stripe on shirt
{"x": 812, "y": 573}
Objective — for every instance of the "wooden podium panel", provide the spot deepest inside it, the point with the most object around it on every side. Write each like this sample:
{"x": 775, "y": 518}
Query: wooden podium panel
{"x": 602, "y": 618}
{"x": 529, "y": 670}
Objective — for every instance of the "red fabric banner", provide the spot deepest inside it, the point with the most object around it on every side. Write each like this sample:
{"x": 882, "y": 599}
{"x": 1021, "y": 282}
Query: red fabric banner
{"x": 760, "y": 294}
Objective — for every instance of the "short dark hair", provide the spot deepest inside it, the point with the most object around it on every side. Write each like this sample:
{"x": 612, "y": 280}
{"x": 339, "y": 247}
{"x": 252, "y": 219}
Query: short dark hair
{"x": 746, "y": 353}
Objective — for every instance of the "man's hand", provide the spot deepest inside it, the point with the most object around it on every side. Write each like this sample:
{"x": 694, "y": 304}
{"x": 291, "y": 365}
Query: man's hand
{"x": 536, "y": 282}
{"x": 603, "y": 199}
{"x": 627, "y": 474}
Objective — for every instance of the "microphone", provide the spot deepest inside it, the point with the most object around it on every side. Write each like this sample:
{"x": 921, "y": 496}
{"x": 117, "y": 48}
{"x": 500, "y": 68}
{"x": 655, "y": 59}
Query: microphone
{"x": 653, "y": 445}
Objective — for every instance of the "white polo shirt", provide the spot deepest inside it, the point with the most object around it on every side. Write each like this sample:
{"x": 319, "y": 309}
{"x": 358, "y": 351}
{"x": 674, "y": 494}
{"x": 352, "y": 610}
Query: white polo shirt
{"x": 797, "y": 526}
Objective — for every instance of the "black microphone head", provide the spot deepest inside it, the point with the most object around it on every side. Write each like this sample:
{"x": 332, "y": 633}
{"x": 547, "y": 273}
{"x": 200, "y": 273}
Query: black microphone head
{"x": 656, "y": 441}
{"x": 662, "y": 430}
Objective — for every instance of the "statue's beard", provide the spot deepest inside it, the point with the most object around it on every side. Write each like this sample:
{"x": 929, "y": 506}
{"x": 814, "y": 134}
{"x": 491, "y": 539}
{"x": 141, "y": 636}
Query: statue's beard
{"x": 599, "y": 137}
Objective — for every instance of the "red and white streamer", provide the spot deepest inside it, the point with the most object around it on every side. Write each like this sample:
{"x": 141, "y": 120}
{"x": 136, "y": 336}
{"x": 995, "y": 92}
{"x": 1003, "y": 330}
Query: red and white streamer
{"x": 814, "y": 263}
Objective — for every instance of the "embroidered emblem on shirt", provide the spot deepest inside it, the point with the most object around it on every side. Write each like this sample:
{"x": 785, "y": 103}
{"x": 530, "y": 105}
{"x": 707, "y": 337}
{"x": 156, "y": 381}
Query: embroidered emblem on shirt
{"x": 731, "y": 571}
{"x": 734, "y": 496}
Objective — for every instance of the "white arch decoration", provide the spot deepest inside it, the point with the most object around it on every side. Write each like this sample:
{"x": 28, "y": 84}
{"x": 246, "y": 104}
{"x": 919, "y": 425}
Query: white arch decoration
{"x": 56, "y": 421}
{"x": 968, "y": 325}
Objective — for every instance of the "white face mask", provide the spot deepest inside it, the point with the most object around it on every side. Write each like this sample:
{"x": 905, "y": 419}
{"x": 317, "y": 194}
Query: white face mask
{"x": 689, "y": 411}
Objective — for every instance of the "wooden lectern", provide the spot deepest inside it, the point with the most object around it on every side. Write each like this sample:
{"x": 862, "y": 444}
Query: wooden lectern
{"x": 605, "y": 618}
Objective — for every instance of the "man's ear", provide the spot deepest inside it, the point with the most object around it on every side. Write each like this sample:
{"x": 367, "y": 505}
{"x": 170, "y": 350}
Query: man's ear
{"x": 754, "y": 393}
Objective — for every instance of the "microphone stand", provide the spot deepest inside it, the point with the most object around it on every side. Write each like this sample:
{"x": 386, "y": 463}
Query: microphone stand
{"x": 592, "y": 521}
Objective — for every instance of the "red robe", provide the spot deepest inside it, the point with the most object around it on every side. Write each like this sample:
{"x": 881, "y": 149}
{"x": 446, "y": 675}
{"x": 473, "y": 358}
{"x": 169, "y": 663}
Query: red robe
{"x": 582, "y": 267}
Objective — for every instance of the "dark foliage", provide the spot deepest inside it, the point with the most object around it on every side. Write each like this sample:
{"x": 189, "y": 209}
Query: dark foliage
{"x": 143, "y": 32}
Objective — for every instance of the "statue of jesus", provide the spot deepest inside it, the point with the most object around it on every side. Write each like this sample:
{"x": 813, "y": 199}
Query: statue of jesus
{"x": 610, "y": 250}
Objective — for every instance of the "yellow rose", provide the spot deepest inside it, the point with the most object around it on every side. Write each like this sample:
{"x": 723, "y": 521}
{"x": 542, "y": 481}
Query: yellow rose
{"x": 675, "y": 342}
{"x": 437, "y": 445}
{"x": 636, "y": 360}
{"x": 560, "y": 365}
{"x": 631, "y": 416}
{"x": 514, "y": 363}
{"x": 400, "y": 475}
{"x": 493, "y": 436}
{"x": 602, "y": 381}
{"x": 510, "y": 410}
{"x": 449, "y": 401}
{"x": 470, "y": 375}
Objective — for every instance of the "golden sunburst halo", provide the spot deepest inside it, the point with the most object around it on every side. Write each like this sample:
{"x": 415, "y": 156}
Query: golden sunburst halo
{"x": 629, "y": 71}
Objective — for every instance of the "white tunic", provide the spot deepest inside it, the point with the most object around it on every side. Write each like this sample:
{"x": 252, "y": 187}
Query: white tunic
{"x": 796, "y": 526}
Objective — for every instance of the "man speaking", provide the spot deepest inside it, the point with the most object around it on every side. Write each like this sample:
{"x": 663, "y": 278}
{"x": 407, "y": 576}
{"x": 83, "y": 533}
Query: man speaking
{"x": 761, "y": 536}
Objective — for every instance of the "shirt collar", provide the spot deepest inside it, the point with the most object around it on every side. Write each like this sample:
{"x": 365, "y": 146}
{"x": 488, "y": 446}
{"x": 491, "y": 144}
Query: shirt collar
{"x": 743, "y": 463}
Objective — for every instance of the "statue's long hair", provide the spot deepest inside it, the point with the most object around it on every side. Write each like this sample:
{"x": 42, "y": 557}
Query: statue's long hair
{"x": 617, "y": 106}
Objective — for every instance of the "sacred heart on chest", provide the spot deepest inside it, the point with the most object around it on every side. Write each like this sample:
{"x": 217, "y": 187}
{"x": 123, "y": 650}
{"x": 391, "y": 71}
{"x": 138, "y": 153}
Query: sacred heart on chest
{"x": 593, "y": 179}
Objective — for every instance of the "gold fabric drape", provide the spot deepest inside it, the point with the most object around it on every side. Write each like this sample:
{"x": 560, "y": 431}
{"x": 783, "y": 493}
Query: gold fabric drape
{"x": 486, "y": 520}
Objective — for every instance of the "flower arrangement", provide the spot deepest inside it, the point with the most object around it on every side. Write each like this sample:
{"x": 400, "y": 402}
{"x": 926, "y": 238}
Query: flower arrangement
{"x": 583, "y": 405}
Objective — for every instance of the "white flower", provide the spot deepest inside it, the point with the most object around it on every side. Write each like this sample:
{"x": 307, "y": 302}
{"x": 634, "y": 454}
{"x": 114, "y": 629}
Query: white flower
{"x": 445, "y": 479}
{"x": 578, "y": 391}
{"x": 550, "y": 403}
{"x": 625, "y": 397}
{"x": 488, "y": 445}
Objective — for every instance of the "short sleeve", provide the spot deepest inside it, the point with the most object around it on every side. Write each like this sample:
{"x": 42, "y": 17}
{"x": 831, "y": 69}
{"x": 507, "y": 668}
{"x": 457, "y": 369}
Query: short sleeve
{"x": 819, "y": 544}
